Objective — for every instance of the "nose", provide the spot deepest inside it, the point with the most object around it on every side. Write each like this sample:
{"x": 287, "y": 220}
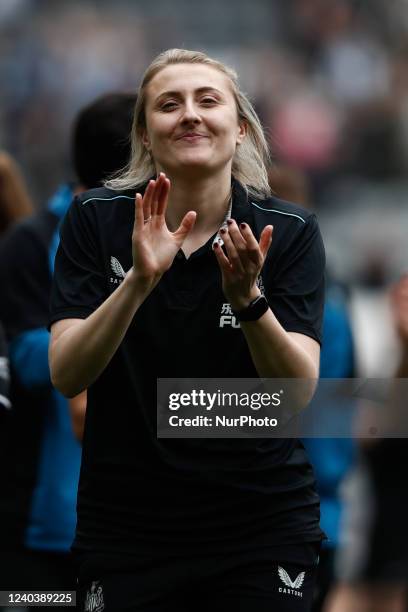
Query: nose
{"x": 190, "y": 114}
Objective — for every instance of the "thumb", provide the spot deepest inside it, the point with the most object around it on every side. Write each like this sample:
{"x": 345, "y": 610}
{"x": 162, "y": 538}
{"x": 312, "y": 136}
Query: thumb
{"x": 185, "y": 227}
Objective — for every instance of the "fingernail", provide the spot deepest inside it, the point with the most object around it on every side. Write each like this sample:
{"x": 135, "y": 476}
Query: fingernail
{"x": 229, "y": 221}
{"x": 242, "y": 225}
{"x": 223, "y": 230}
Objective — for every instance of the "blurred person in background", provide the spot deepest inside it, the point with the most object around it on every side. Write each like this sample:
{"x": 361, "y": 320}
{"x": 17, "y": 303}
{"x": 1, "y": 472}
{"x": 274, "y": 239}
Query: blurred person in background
{"x": 143, "y": 274}
{"x": 40, "y": 455}
{"x": 332, "y": 458}
{"x": 15, "y": 203}
{"x": 373, "y": 561}
{"x": 5, "y": 404}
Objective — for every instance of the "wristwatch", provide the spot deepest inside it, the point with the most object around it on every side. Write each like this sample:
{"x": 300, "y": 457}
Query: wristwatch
{"x": 254, "y": 311}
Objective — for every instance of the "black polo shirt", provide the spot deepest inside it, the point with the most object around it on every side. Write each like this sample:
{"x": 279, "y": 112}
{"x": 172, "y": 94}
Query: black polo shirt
{"x": 148, "y": 496}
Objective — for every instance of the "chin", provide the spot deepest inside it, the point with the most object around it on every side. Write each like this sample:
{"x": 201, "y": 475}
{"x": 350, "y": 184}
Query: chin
{"x": 194, "y": 157}
{"x": 193, "y": 162}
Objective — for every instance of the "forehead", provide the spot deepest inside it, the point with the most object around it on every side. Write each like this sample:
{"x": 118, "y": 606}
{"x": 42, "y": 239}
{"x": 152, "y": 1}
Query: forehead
{"x": 187, "y": 78}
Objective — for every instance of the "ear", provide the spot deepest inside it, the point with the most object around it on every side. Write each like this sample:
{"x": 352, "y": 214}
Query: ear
{"x": 145, "y": 139}
{"x": 242, "y": 132}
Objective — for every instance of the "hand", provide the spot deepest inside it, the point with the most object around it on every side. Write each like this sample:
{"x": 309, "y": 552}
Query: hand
{"x": 153, "y": 245}
{"x": 244, "y": 260}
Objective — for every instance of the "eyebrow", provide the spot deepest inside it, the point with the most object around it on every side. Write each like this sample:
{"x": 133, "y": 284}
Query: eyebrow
{"x": 197, "y": 91}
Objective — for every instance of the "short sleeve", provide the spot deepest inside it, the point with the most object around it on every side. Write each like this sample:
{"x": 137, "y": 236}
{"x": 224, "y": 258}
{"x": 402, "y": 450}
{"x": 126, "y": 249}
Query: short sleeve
{"x": 79, "y": 283}
{"x": 295, "y": 291}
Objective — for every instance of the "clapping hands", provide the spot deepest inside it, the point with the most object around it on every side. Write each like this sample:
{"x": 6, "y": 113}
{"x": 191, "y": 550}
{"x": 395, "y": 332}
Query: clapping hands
{"x": 153, "y": 245}
{"x": 241, "y": 264}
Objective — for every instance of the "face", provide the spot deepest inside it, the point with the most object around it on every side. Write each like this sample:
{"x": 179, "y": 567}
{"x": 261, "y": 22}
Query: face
{"x": 191, "y": 120}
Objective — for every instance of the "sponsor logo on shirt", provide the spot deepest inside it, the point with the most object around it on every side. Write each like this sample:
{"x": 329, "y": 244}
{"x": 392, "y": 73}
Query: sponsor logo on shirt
{"x": 260, "y": 284}
{"x": 94, "y": 598}
{"x": 292, "y": 587}
{"x": 118, "y": 271}
{"x": 227, "y": 317}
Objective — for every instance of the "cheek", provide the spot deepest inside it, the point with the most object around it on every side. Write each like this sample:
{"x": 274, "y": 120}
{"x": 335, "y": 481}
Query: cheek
{"x": 164, "y": 130}
{"x": 229, "y": 127}
{"x": 155, "y": 132}
{"x": 157, "y": 127}
{"x": 230, "y": 136}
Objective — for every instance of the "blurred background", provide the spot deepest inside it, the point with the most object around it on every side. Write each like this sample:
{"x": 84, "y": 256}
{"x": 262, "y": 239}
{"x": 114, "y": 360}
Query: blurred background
{"x": 328, "y": 78}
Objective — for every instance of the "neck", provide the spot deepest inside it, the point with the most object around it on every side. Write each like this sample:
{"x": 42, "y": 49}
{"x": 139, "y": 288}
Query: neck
{"x": 208, "y": 196}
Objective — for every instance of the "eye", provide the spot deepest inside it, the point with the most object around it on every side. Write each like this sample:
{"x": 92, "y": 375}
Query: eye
{"x": 168, "y": 106}
{"x": 208, "y": 101}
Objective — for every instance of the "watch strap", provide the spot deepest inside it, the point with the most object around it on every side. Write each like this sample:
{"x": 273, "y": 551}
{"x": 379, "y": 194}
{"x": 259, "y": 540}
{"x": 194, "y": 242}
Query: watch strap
{"x": 254, "y": 310}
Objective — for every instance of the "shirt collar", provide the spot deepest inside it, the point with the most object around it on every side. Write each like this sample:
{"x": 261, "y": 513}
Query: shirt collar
{"x": 238, "y": 208}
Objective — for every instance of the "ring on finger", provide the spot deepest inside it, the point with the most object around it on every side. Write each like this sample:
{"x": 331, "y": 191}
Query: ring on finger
{"x": 147, "y": 220}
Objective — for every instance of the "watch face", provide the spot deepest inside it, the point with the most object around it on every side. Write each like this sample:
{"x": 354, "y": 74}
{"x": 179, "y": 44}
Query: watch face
{"x": 254, "y": 311}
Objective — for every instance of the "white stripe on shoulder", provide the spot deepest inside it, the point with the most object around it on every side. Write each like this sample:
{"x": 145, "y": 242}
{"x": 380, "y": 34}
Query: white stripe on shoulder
{"x": 279, "y": 212}
{"x": 107, "y": 199}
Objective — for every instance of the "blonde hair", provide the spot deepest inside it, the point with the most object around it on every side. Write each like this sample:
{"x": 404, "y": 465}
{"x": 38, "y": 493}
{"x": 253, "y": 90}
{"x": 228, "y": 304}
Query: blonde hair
{"x": 251, "y": 158}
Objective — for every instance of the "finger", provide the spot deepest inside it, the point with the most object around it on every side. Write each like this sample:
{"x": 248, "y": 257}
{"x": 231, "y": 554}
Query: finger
{"x": 156, "y": 194}
{"x": 164, "y": 197}
{"x": 232, "y": 252}
{"x": 265, "y": 240}
{"x": 147, "y": 199}
{"x": 236, "y": 236}
{"x": 252, "y": 247}
{"x": 247, "y": 234}
{"x": 185, "y": 227}
{"x": 139, "y": 216}
{"x": 221, "y": 258}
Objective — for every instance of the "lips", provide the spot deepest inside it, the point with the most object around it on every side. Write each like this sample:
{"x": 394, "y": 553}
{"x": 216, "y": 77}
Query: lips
{"x": 191, "y": 136}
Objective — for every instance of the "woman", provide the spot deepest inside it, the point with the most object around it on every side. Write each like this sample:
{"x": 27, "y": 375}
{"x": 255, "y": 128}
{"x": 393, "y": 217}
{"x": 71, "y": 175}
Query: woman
{"x": 162, "y": 525}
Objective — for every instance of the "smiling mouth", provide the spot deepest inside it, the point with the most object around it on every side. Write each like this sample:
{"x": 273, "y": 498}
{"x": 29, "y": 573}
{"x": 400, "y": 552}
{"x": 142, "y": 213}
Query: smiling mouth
{"x": 191, "y": 137}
